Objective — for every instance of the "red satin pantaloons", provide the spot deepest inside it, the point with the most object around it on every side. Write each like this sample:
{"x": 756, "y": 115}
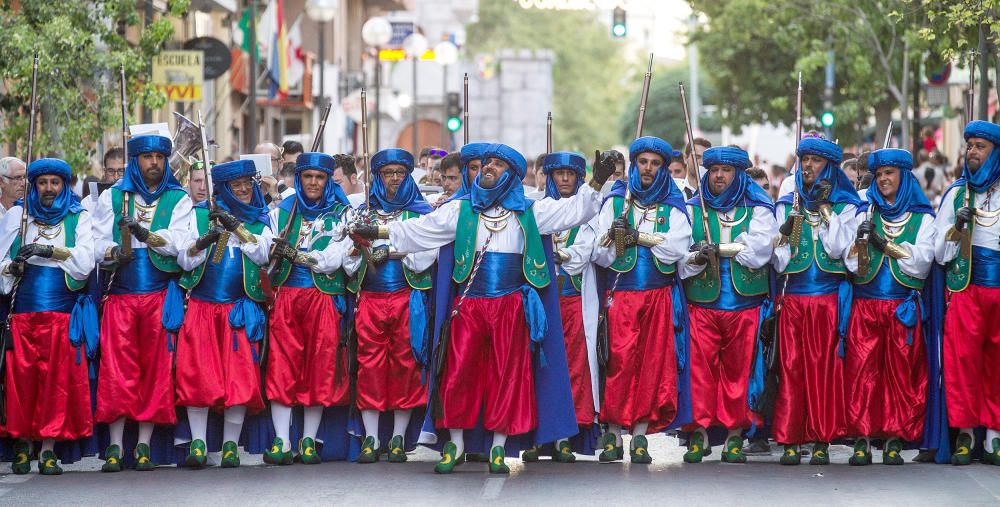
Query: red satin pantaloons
{"x": 48, "y": 392}
{"x": 810, "y": 405}
{"x": 886, "y": 378}
{"x": 571, "y": 309}
{"x": 388, "y": 375}
{"x": 489, "y": 368}
{"x": 641, "y": 378}
{"x": 136, "y": 361}
{"x": 972, "y": 357}
{"x": 721, "y": 354}
{"x": 302, "y": 359}
{"x": 215, "y": 363}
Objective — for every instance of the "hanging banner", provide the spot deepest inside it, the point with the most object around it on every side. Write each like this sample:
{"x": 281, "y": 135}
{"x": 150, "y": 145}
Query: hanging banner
{"x": 179, "y": 74}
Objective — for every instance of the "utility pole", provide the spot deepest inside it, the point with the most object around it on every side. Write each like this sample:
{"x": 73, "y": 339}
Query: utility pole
{"x": 828, "y": 92}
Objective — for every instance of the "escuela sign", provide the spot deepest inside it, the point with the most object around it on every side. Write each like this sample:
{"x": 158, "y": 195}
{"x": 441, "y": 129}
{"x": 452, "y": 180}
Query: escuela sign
{"x": 179, "y": 74}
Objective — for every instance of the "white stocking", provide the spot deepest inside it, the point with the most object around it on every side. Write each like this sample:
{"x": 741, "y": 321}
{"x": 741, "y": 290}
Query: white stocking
{"x": 370, "y": 420}
{"x": 458, "y": 438}
{"x": 400, "y": 420}
{"x": 616, "y": 430}
{"x": 145, "y": 432}
{"x": 233, "y": 426}
{"x": 198, "y": 420}
{"x": 499, "y": 440}
{"x": 990, "y": 435}
{"x": 116, "y": 431}
{"x": 48, "y": 444}
{"x": 310, "y": 424}
{"x": 281, "y": 417}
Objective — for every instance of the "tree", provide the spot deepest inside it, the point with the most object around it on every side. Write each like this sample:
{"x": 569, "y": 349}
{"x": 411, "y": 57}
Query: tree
{"x": 80, "y": 45}
{"x": 664, "y": 114}
{"x": 586, "y": 73}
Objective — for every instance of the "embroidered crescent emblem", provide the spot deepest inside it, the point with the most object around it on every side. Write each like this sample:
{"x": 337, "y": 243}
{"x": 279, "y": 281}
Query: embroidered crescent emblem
{"x": 539, "y": 265}
{"x": 461, "y": 261}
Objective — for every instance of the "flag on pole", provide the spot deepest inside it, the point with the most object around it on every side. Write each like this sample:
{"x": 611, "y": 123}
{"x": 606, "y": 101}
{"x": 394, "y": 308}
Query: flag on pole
{"x": 279, "y": 55}
{"x": 296, "y": 60}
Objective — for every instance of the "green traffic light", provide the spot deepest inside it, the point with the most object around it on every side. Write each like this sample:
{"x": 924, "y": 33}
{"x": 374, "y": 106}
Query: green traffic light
{"x": 827, "y": 119}
{"x": 618, "y": 30}
{"x": 454, "y": 124}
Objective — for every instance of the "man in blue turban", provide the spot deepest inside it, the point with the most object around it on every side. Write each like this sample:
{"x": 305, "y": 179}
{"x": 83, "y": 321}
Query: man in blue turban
{"x": 500, "y": 269}
{"x": 815, "y": 301}
{"x": 646, "y": 231}
{"x": 392, "y": 311}
{"x": 221, "y": 340}
{"x": 472, "y": 162}
{"x": 145, "y": 306}
{"x": 726, "y": 283}
{"x": 968, "y": 245}
{"x": 886, "y": 367}
{"x": 47, "y": 389}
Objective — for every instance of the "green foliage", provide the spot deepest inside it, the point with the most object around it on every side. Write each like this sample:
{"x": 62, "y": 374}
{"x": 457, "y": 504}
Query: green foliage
{"x": 664, "y": 115}
{"x": 587, "y": 70}
{"x": 80, "y": 50}
{"x": 952, "y": 28}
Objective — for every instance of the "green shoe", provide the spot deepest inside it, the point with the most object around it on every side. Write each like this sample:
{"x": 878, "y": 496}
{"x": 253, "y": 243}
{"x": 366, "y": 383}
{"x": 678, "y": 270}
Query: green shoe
{"x": 611, "y": 451}
{"x": 497, "y": 466}
{"x": 639, "y": 452}
{"x": 530, "y": 455}
{"x": 307, "y": 452}
{"x": 733, "y": 452}
{"x": 48, "y": 464}
{"x": 275, "y": 455}
{"x": 449, "y": 459}
{"x": 963, "y": 450}
{"x": 563, "y": 453}
{"x": 397, "y": 454}
{"x": 369, "y": 453}
{"x": 791, "y": 455}
{"x": 112, "y": 459}
{"x": 143, "y": 463}
{"x": 862, "y": 454}
{"x": 820, "y": 454}
{"x": 197, "y": 454}
{"x": 476, "y": 457}
{"x": 890, "y": 456}
{"x": 230, "y": 455}
{"x": 696, "y": 448}
{"x": 992, "y": 458}
{"x": 22, "y": 458}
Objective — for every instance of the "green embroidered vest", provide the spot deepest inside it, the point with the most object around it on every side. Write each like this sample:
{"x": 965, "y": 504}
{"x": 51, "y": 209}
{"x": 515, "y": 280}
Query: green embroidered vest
{"x": 706, "y": 287}
{"x": 333, "y": 283}
{"x": 69, "y": 226}
{"x": 876, "y": 256}
{"x": 809, "y": 250}
{"x": 958, "y": 271}
{"x": 533, "y": 264}
{"x": 251, "y": 272}
{"x": 626, "y": 262}
{"x": 418, "y": 281}
{"x": 161, "y": 220}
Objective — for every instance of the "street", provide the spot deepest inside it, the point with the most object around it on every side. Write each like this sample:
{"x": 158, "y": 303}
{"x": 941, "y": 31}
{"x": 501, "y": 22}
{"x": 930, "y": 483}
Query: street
{"x": 667, "y": 481}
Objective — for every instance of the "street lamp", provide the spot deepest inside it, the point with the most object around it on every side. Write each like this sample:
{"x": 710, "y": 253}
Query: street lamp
{"x": 377, "y": 32}
{"x": 415, "y": 45}
{"x": 446, "y": 54}
{"x": 322, "y": 12}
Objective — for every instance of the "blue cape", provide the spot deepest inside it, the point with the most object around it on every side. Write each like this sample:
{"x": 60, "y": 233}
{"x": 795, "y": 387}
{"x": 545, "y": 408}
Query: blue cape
{"x": 508, "y": 191}
{"x": 663, "y": 189}
{"x": 408, "y": 196}
{"x": 332, "y": 193}
{"x": 469, "y": 152}
{"x": 909, "y": 198}
{"x": 563, "y": 160}
{"x": 65, "y": 203}
{"x": 742, "y": 191}
{"x": 989, "y": 172}
{"x": 133, "y": 182}
{"x": 256, "y": 210}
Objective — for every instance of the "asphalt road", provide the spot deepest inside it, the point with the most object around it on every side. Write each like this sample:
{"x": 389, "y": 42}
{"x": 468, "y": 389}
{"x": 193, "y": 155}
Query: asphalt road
{"x": 667, "y": 481}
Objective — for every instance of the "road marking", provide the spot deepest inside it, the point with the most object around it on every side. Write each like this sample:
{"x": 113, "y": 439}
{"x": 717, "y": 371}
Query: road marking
{"x": 16, "y": 479}
{"x": 492, "y": 488}
{"x": 984, "y": 486}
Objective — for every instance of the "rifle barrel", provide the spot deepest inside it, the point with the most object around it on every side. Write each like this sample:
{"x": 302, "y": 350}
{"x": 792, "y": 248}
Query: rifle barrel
{"x": 31, "y": 146}
{"x": 465, "y": 112}
{"x": 644, "y": 98}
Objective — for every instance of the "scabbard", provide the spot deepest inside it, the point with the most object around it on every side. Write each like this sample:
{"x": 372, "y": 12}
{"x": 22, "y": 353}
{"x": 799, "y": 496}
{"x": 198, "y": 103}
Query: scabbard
{"x": 440, "y": 360}
{"x": 603, "y": 351}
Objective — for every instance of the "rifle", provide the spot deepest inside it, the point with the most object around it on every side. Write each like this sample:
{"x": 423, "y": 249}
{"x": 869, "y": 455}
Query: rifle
{"x": 861, "y": 244}
{"x": 713, "y": 261}
{"x": 125, "y": 234}
{"x": 220, "y": 245}
{"x": 548, "y": 134}
{"x": 465, "y": 112}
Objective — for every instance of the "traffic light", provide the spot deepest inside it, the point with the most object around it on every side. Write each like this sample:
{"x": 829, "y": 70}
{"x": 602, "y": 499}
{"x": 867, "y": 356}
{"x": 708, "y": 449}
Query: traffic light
{"x": 618, "y": 29}
{"x": 454, "y": 110}
{"x": 827, "y": 119}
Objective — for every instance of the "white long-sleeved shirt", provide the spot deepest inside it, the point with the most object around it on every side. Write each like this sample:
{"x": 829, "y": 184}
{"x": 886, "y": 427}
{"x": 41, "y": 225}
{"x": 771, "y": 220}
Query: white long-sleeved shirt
{"x": 416, "y": 261}
{"x": 331, "y": 258}
{"x": 81, "y": 260}
{"x": 581, "y": 262}
{"x": 676, "y": 241}
{"x": 836, "y": 237}
{"x": 986, "y": 236}
{"x": 758, "y": 240}
{"x": 918, "y": 264}
{"x": 257, "y": 252}
{"x": 176, "y": 234}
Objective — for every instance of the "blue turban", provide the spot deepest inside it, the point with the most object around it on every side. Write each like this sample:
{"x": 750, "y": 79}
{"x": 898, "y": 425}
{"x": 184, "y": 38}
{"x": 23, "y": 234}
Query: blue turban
{"x": 989, "y": 172}
{"x": 508, "y": 191}
{"x": 743, "y": 190}
{"x": 408, "y": 195}
{"x": 65, "y": 203}
{"x": 133, "y": 182}
{"x": 822, "y": 148}
{"x": 470, "y": 152}
{"x": 563, "y": 160}
{"x": 222, "y": 174}
{"x": 843, "y": 189}
{"x": 909, "y": 197}
{"x": 332, "y": 193}
{"x": 663, "y": 189}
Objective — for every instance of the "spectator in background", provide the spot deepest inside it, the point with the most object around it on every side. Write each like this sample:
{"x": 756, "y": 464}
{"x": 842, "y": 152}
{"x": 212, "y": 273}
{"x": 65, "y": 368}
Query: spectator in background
{"x": 932, "y": 174}
{"x": 12, "y": 174}
{"x": 678, "y": 170}
{"x": 430, "y": 155}
{"x": 530, "y": 180}
{"x": 112, "y": 170}
{"x": 927, "y": 141}
{"x": 346, "y": 175}
{"x": 850, "y": 167}
{"x": 291, "y": 150}
{"x": 759, "y": 176}
{"x": 619, "y": 167}
{"x": 694, "y": 173}
{"x": 451, "y": 178}
{"x": 197, "y": 188}
{"x": 286, "y": 185}
{"x": 269, "y": 184}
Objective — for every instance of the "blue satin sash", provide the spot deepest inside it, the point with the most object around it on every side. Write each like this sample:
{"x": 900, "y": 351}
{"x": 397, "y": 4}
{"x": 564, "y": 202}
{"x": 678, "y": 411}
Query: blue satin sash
{"x": 884, "y": 286}
{"x": 43, "y": 289}
{"x": 730, "y": 300}
{"x": 222, "y": 282}
{"x": 499, "y": 274}
{"x": 644, "y": 276}
{"x": 813, "y": 282}
{"x": 985, "y": 267}
{"x": 139, "y": 276}
{"x": 567, "y": 284}
{"x": 300, "y": 278}
{"x": 388, "y": 278}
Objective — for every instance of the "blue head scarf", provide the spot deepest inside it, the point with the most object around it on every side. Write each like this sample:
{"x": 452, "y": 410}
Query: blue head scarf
{"x": 469, "y": 152}
{"x": 133, "y": 182}
{"x": 743, "y": 190}
{"x": 663, "y": 189}
{"x": 332, "y": 193}
{"x": 563, "y": 160}
{"x": 65, "y": 203}
{"x": 222, "y": 174}
{"x": 909, "y": 198}
{"x": 843, "y": 190}
{"x": 989, "y": 172}
{"x": 408, "y": 195}
{"x": 508, "y": 191}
